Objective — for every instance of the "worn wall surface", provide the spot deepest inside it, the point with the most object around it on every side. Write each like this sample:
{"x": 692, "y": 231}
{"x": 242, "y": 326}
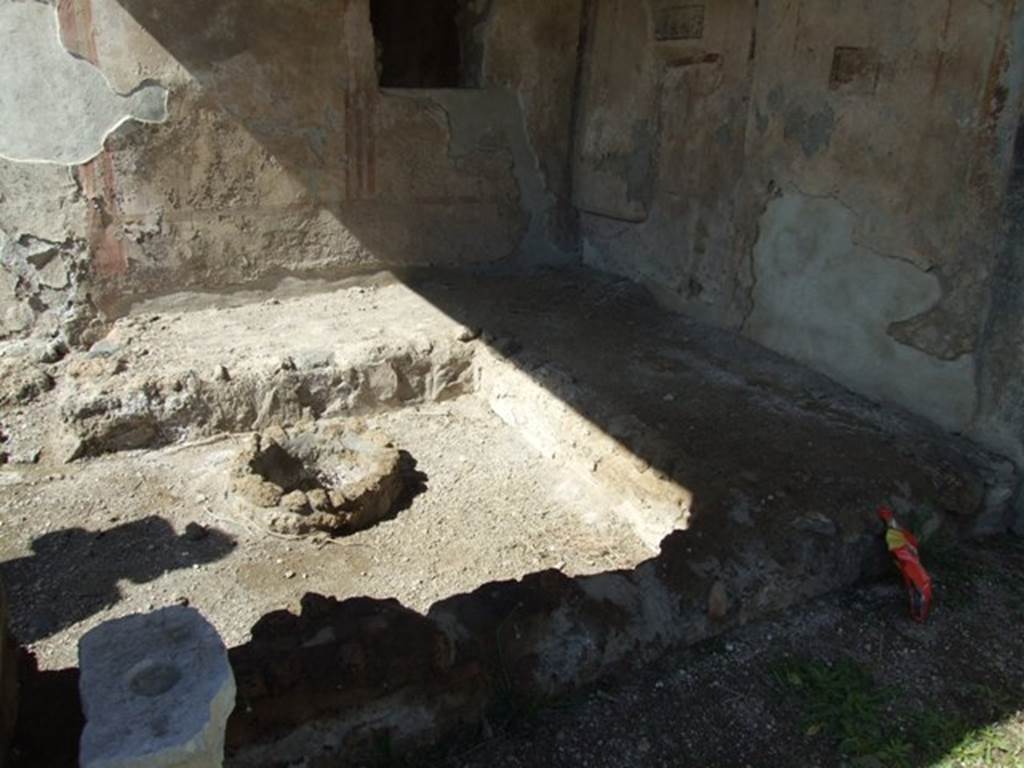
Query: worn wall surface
{"x": 216, "y": 144}
{"x": 659, "y": 154}
{"x": 1000, "y": 384}
{"x": 887, "y": 157}
{"x": 530, "y": 48}
{"x": 826, "y": 177}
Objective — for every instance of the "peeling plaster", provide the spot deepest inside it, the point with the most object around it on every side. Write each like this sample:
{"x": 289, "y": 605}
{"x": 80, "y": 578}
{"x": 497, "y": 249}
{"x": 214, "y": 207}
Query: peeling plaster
{"x": 828, "y": 302}
{"x": 474, "y": 115}
{"x": 39, "y": 287}
{"x": 58, "y": 108}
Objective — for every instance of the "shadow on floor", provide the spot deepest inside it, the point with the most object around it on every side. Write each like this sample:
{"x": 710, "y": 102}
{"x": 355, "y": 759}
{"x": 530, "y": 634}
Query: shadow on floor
{"x": 784, "y": 466}
{"x": 842, "y": 680}
{"x": 414, "y": 482}
{"x": 73, "y": 573}
{"x": 903, "y": 695}
{"x": 50, "y": 718}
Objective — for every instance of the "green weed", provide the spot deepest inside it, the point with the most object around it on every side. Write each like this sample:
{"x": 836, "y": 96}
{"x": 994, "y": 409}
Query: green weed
{"x": 987, "y": 747}
{"x": 842, "y": 701}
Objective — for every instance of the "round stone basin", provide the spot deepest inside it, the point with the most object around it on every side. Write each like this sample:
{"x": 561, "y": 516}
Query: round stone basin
{"x": 328, "y": 477}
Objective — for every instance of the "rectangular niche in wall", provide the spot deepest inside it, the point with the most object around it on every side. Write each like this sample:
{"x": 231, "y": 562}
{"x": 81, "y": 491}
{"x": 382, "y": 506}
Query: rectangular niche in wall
{"x": 679, "y": 22}
{"x": 854, "y": 70}
{"x": 418, "y": 43}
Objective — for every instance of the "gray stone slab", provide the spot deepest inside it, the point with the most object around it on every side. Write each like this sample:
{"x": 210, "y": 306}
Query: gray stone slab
{"x": 157, "y": 690}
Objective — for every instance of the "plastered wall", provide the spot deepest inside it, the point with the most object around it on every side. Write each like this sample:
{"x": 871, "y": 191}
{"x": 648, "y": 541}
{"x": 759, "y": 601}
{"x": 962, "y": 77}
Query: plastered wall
{"x": 827, "y": 177}
{"x": 197, "y": 144}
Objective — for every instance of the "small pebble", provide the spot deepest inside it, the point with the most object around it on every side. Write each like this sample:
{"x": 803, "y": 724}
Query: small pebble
{"x": 467, "y": 335}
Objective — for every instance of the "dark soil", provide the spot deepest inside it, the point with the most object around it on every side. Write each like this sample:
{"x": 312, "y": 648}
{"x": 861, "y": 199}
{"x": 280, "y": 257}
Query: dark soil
{"x": 844, "y": 680}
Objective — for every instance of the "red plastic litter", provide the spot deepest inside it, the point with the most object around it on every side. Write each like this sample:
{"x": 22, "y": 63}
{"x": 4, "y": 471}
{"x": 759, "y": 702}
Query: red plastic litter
{"x": 903, "y": 548}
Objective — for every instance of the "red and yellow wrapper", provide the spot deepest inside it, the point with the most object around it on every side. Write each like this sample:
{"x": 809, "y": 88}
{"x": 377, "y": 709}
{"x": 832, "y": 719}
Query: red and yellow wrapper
{"x": 903, "y": 549}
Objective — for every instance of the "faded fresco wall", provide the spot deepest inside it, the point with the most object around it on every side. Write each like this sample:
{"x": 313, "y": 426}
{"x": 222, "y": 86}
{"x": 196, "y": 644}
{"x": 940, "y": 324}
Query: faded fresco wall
{"x": 825, "y": 177}
{"x": 875, "y": 259}
{"x": 1001, "y": 355}
{"x": 660, "y": 149}
{"x": 215, "y": 144}
{"x": 828, "y": 178}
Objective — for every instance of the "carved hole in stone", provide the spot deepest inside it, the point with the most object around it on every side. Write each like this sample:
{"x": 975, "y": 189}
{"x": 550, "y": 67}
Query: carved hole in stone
{"x": 854, "y": 70}
{"x": 680, "y": 22}
{"x": 328, "y": 477}
{"x": 152, "y": 678}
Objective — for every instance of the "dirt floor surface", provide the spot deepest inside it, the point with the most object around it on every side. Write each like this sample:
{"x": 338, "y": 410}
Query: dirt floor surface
{"x": 778, "y": 460}
{"x": 111, "y": 536}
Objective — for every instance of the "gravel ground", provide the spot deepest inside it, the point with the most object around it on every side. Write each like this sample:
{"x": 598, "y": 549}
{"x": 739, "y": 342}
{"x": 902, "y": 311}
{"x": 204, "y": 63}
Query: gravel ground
{"x": 846, "y": 680}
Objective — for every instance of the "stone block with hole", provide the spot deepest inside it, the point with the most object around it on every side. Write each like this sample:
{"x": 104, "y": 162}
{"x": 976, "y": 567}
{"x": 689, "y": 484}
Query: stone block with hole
{"x": 157, "y": 690}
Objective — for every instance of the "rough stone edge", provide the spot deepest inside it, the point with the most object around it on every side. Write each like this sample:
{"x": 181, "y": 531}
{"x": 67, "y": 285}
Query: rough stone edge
{"x": 308, "y": 683}
{"x": 155, "y": 412}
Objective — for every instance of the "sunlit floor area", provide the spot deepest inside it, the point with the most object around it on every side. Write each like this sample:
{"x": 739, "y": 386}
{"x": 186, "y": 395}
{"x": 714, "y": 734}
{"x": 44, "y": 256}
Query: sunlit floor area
{"x": 551, "y": 424}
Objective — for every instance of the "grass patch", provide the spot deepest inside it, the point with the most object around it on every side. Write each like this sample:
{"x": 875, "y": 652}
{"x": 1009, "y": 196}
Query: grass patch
{"x": 952, "y": 744}
{"x": 989, "y": 746}
{"x": 842, "y": 702}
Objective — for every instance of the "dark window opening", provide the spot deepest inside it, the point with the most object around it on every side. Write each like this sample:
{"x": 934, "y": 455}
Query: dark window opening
{"x": 419, "y": 43}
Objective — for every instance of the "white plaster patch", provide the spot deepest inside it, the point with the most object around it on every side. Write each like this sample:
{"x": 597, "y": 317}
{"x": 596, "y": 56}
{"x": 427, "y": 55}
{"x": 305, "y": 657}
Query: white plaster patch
{"x": 824, "y": 300}
{"x": 57, "y": 108}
